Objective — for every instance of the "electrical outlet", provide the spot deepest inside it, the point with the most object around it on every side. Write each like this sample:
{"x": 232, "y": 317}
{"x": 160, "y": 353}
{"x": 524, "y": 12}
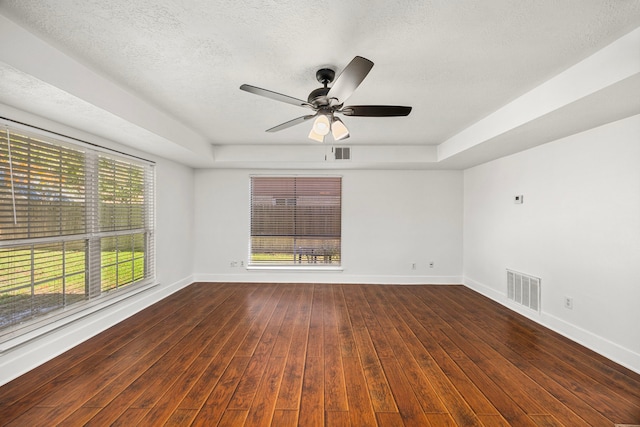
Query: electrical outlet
{"x": 413, "y": 266}
{"x": 431, "y": 264}
{"x": 241, "y": 263}
{"x": 568, "y": 303}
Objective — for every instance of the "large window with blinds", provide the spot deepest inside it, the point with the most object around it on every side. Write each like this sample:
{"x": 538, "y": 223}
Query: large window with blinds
{"x": 295, "y": 221}
{"x": 76, "y": 223}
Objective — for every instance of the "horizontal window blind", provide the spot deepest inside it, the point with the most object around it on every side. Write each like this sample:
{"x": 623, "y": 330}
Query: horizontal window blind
{"x": 42, "y": 189}
{"x": 75, "y": 223}
{"x": 296, "y": 220}
{"x": 122, "y": 194}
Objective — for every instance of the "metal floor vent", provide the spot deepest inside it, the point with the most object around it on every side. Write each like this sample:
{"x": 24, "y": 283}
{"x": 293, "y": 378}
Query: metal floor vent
{"x": 523, "y": 289}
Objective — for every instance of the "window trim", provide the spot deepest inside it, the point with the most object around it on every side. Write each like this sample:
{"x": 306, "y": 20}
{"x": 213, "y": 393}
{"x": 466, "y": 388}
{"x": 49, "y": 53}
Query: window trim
{"x": 17, "y": 335}
{"x": 74, "y": 142}
{"x": 300, "y": 267}
{"x": 21, "y": 333}
{"x": 293, "y": 267}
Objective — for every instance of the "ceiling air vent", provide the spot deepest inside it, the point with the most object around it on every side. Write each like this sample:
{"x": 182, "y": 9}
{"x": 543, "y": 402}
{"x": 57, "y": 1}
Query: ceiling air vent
{"x": 342, "y": 153}
{"x": 523, "y": 289}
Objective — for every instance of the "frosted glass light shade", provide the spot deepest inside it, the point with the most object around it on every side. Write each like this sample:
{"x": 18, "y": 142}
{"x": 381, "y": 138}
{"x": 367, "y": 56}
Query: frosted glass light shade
{"x": 315, "y": 136}
{"x": 339, "y": 130}
{"x": 321, "y": 125}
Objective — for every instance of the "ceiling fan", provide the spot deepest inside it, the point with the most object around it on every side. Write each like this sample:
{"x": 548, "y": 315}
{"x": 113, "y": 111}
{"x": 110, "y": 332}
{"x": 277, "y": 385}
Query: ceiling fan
{"x": 329, "y": 101}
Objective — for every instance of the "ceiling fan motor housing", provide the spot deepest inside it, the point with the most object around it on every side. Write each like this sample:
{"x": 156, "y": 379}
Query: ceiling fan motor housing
{"x": 318, "y": 97}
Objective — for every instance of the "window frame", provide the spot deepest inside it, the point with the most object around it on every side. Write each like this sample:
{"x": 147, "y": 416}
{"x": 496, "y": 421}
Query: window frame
{"x": 292, "y": 202}
{"x": 94, "y": 296}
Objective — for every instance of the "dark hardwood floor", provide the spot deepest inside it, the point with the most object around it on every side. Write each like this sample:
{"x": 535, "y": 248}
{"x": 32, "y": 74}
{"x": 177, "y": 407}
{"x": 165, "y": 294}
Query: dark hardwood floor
{"x": 312, "y": 355}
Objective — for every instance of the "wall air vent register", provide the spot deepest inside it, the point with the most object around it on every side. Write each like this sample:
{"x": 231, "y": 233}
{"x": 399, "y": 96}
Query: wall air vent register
{"x": 523, "y": 289}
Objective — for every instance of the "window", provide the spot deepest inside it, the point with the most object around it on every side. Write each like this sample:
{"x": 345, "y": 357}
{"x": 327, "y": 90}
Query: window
{"x": 295, "y": 221}
{"x": 75, "y": 223}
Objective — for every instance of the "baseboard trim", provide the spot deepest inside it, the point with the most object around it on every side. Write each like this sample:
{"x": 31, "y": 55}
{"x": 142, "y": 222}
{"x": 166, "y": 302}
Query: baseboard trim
{"x": 17, "y": 360}
{"x": 600, "y": 345}
{"x": 325, "y": 277}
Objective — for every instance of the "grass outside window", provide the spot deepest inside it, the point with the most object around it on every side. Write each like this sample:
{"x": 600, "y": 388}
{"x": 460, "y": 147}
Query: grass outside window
{"x": 58, "y": 278}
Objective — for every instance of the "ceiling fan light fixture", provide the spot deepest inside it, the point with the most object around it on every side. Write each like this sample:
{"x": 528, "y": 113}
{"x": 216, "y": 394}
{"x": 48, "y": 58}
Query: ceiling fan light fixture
{"x": 316, "y": 136}
{"x": 321, "y": 125}
{"x": 339, "y": 130}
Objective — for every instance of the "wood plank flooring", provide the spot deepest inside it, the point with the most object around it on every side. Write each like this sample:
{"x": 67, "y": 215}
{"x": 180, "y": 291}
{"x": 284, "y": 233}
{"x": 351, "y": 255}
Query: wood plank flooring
{"x": 336, "y": 355}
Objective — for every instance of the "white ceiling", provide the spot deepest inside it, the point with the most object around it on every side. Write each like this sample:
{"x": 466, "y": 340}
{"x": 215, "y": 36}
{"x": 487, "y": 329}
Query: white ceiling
{"x": 163, "y": 75}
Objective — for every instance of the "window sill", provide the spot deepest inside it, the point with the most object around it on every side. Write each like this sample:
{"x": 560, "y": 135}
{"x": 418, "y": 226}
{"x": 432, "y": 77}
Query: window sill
{"x": 295, "y": 268}
{"x": 22, "y": 334}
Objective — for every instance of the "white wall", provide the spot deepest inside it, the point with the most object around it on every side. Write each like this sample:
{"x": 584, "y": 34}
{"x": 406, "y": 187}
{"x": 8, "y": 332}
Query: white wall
{"x": 390, "y": 219}
{"x": 174, "y": 221}
{"x": 578, "y": 230}
{"x": 174, "y": 258}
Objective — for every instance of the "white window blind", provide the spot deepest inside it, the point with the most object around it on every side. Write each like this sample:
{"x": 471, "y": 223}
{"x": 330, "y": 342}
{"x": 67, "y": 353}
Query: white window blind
{"x": 74, "y": 223}
{"x": 295, "y": 220}
{"x": 122, "y": 194}
{"x": 45, "y": 184}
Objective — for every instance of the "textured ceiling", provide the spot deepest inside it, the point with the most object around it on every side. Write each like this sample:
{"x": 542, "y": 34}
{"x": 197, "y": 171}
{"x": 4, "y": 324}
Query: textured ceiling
{"x": 455, "y": 62}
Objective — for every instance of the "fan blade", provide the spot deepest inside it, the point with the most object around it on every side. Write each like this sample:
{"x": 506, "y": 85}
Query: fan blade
{"x": 375, "y": 110}
{"x": 291, "y": 123}
{"x": 275, "y": 96}
{"x": 350, "y": 78}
